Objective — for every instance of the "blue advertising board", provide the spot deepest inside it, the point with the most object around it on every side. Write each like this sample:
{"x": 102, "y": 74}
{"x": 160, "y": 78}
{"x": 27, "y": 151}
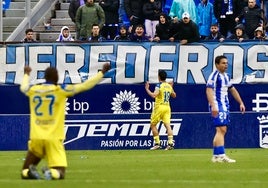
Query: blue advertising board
{"x": 118, "y": 117}
{"x": 116, "y": 113}
{"x": 132, "y": 99}
{"x": 102, "y": 131}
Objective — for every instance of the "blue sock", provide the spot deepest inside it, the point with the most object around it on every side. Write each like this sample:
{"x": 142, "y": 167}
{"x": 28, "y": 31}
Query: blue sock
{"x": 218, "y": 150}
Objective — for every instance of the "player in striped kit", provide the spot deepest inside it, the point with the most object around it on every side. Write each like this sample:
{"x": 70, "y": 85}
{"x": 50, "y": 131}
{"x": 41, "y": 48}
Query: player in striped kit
{"x": 218, "y": 86}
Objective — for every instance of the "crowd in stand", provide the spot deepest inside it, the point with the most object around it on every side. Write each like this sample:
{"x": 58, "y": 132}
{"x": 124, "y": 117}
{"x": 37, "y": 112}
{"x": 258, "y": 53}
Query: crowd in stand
{"x": 184, "y": 21}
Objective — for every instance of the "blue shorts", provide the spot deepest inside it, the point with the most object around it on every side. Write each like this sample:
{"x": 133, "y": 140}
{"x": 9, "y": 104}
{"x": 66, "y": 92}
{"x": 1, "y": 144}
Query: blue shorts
{"x": 223, "y": 119}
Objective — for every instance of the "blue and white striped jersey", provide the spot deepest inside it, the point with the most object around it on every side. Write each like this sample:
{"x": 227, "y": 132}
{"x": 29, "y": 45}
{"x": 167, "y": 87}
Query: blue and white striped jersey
{"x": 220, "y": 83}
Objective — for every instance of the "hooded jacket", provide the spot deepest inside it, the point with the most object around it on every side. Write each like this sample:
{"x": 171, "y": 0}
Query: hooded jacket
{"x": 61, "y": 38}
{"x": 253, "y": 18}
{"x": 243, "y": 36}
{"x": 164, "y": 30}
{"x": 206, "y": 18}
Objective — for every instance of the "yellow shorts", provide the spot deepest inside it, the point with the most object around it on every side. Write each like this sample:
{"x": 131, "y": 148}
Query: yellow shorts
{"x": 159, "y": 113}
{"x": 52, "y": 150}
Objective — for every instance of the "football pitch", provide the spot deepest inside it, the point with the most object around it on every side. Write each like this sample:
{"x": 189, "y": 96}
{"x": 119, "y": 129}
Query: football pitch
{"x": 186, "y": 168}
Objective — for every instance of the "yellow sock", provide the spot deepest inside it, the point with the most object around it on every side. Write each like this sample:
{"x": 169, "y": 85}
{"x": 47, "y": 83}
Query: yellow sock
{"x": 55, "y": 173}
{"x": 24, "y": 173}
{"x": 170, "y": 139}
{"x": 157, "y": 140}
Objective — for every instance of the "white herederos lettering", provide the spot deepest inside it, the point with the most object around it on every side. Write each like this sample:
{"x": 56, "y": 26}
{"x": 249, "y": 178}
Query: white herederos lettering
{"x": 132, "y": 62}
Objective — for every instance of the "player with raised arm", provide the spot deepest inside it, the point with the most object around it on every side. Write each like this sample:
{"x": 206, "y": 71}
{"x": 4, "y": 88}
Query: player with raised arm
{"x": 218, "y": 86}
{"x": 47, "y": 116}
{"x": 161, "y": 110}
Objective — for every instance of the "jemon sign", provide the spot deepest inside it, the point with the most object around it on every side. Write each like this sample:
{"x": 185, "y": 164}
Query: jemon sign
{"x": 191, "y": 131}
{"x": 117, "y": 133}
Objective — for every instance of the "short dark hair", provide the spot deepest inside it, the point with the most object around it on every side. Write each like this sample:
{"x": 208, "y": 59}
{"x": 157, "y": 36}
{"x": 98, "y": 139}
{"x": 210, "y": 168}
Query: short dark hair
{"x": 162, "y": 75}
{"x": 218, "y": 58}
{"x": 51, "y": 75}
{"x": 214, "y": 24}
{"x": 95, "y": 24}
{"x": 140, "y": 25}
{"x": 123, "y": 27}
{"x": 28, "y": 30}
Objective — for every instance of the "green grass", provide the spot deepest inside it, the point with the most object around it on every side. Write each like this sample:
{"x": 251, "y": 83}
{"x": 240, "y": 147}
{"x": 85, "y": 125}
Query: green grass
{"x": 146, "y": 169}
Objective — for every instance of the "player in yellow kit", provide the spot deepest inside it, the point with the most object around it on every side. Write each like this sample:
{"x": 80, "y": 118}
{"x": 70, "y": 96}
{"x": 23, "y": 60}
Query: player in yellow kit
{"x": 47, "y": 116}
{"x": 162, "y": 93}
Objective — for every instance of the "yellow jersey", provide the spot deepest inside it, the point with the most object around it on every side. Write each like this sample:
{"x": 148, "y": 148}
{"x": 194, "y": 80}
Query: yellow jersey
{"x": 165, "y": 90}
{"x": 47, "y": 105}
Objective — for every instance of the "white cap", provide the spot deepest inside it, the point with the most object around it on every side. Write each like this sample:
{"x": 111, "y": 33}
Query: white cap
{"x": 185, "y": 15}
{"x": 259, "y": 29}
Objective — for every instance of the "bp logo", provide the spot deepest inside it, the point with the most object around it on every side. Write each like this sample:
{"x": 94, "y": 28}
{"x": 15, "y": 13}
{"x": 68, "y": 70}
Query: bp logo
{"x": 125, "y": 103}
{"x": 263, "y": 120}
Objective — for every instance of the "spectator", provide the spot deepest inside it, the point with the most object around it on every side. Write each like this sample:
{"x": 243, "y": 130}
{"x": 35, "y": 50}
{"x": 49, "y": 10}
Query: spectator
{"x": 206, "y": 18}
{"x": 123, "y": 34}
{"x": 239, "y": 34}
{"x": 198, "y": 1}
{"x": 86, "y": 16}
{"x": 258, "y": 2}
{"x": 4, "y": 13}
{"x": 110, "y": 27}
{"x": 74, "y": 5}
{"x": 215, "y": 34}
{"x": 163, "y": 29}
{"x": 166, "y": 5}
{"x": 133, "y": 9}
{"x": 178, "y": 7}
{"x": 187, "y": 30}
{"x": 139, "y": 34}
{"x": 123, "y": 18}
{"x": 5, "y": 6}
{"x": 65, "y": 35}
{"x": 226, "y": 11}
{"x": 95, "y": 34}
{"x": 265, "y": 7}
{"x": 253, "y": 16}
{"x": 29, "y": 36}
{"x": 151, "y": 12}
{"x": 259, "y": 34}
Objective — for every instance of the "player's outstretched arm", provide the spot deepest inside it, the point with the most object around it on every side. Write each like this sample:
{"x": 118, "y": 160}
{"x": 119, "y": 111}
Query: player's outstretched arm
{"x": 25, "y": 84}
{"x": 91, "y": 82}
{"x": 149, "y": 92}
